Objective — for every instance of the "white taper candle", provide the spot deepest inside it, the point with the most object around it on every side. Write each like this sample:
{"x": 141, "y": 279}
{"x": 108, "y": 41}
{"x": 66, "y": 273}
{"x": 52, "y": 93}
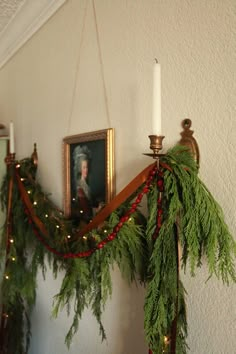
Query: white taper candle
{"x": 12, "y": 141}
{"x": 156, "y": 109}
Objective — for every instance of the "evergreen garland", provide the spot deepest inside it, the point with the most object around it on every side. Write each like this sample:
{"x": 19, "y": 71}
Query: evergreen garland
{"x": 180, "y": 209}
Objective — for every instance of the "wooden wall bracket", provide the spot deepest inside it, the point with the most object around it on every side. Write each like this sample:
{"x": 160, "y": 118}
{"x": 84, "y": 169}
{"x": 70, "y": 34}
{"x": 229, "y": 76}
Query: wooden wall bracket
{"x": 188, "y": 139}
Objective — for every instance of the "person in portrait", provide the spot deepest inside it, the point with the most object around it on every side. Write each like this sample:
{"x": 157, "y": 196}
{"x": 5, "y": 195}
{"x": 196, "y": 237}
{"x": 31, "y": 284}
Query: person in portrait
{"x": 82, "y": 209}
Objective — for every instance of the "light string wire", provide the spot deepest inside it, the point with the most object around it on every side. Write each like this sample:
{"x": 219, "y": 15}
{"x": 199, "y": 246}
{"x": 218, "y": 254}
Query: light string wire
{"x": 32, "y": 218}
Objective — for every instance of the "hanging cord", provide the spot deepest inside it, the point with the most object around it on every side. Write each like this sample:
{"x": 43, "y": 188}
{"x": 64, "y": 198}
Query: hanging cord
{"x": 101, "y": 64}
{"x": 77, "y": 71}
{"x": 78, "y": 67}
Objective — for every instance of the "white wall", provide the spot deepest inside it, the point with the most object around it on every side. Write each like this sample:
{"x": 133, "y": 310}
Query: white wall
{"x": 53, "y": 87}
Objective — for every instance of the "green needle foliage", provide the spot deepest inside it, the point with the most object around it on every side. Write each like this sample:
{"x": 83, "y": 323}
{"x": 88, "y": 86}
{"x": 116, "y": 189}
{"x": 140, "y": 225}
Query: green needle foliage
{"x": 190, "y": 216}
{"x": 193, "y": 216}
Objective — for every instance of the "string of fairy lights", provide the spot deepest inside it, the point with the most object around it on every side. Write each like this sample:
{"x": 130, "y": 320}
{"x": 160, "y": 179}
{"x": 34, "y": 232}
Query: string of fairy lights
{"x": 58, "y": 221}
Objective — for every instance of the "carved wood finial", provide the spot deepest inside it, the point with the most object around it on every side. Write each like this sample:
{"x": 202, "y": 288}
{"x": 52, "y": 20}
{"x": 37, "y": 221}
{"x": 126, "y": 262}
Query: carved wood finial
{"x": 2, "y": 128}
{"x": 188, "y": 139}
{"x": 34, "y": 155}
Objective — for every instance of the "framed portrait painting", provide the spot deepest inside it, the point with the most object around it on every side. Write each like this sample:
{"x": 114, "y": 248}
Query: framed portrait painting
{"x": 88, "y": 174}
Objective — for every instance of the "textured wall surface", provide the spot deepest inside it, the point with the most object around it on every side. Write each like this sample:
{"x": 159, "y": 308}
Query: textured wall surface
{"x": 54, "y": 86}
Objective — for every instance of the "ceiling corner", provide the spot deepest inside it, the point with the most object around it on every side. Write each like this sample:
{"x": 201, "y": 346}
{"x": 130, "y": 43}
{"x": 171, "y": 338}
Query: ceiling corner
{"x": 27, "y": 20}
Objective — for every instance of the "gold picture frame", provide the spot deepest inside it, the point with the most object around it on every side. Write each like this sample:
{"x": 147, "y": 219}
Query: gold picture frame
{"x": 89, "y": 180}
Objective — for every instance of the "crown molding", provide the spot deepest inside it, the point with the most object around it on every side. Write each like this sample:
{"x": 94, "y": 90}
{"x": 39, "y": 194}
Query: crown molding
{"x": 28, "y": 19}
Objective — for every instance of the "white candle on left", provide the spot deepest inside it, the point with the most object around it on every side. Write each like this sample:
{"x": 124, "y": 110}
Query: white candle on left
{"x": 156, "y": 108}
{"x": 12, "y": 142}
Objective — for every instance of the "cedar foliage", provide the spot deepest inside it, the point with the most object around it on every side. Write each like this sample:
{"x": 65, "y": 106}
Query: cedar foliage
{"x": 190, "y": 216}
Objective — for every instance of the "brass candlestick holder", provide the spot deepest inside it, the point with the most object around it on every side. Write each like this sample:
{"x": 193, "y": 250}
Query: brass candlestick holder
{"x": 155, "y": 146}
{"x": 187, "y": 140}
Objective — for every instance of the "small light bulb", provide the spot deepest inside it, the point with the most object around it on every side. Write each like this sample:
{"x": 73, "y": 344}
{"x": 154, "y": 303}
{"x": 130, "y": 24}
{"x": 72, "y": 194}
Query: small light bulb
{"x": 11, "y": 240}
{"x": 46, "y": 215}
{"x": 57, "y": 226}
{"x": 130, "y": 219}
{"x": 13, "y": 259}
{"x": 35, "y": 203}
{"x": 29, "y": 192}
{"x": 7, "y": 277}
{"x": 81, "y": 211}
{"x": 84, "y": 238}
{"x": 166, "y": 340}
{"x": 105, "y": 231}
{"x": 68, "y": 236}
{"x": 18, "y": 165}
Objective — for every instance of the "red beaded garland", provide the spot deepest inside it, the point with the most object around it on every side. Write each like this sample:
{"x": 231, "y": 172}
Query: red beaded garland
{"x": 160, "y": 186}
{"x": 113, "y": 234}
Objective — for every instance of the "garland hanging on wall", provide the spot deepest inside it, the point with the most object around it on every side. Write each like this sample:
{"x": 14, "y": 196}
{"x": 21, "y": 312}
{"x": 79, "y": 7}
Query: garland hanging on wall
{"x": 180, "y": 210}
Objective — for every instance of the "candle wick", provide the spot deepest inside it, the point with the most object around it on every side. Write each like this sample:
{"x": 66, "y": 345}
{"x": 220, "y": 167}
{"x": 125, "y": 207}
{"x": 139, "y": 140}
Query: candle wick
{"x": 156, "y": 60}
